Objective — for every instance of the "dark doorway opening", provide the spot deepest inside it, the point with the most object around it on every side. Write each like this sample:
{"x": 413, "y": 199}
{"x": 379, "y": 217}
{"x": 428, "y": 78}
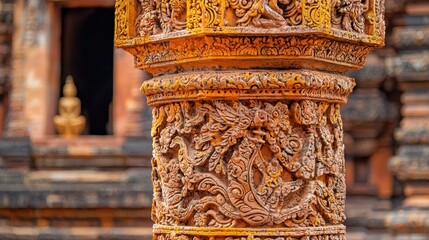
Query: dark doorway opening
{"x": 87, "y": 55}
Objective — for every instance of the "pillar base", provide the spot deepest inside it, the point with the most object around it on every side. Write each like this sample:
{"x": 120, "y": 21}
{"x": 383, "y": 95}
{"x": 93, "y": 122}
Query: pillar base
{"x": 200, "y": 233}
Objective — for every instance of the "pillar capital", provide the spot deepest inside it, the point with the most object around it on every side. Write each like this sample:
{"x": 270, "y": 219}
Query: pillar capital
{"x": 247, "y": 134}
{"x": 333, "y": 35}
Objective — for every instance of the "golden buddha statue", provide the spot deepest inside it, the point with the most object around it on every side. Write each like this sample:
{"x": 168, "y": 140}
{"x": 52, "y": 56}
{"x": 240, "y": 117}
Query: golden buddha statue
{"x": 69, "y": 123}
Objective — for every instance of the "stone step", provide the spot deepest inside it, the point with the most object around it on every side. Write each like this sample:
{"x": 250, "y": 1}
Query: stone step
{"x": 76, "y": 217}
{"x": 75, "y": 196}
{"x": 79, "y": 198}
{"x": 76, "y": 189}
{"x": 88, "y": 233}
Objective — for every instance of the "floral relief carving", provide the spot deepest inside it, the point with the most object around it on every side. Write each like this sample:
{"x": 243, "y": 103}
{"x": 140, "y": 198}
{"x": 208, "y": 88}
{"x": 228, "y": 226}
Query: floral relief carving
{"x": 249, "y": 85}
{"x": 380, "y": 25}
{"x": 248, "y": 163}
{"x": 258, "y": 47}
{"x": 213, "y": 13}
{"x": 121, "y": 20}
{"x": 317, "y": 13}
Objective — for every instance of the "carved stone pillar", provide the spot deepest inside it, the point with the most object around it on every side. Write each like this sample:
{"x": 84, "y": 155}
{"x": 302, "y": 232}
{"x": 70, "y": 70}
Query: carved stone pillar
{"x": 247, "y": 133}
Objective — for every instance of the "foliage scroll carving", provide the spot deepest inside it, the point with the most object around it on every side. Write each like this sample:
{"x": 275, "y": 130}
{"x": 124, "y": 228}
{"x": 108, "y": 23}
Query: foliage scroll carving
{"x": 248, "y": 163}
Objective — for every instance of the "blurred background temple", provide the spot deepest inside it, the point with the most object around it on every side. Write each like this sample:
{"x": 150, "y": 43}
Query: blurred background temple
{"x": 97, "y": 185}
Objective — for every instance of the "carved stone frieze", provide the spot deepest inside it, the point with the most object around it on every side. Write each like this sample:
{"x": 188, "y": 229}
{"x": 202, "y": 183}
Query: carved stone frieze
{"x": 166, "y": 16}
{"x": 227, "y": 33}
{"x": 256, "y": 52}
{"x": 248, "y": 85}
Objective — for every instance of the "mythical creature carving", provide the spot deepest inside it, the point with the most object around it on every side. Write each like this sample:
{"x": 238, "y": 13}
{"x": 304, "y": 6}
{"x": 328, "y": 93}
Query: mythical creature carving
{"x": 265, "y": 13}
{"x": 259, "y": 13}
{"x": 174, "y": 12}
{"x": 160, "y": 16}
{"x": 147, "y": 22}
{"x": 248, "y": 163}
{"x": 350, "y": 14}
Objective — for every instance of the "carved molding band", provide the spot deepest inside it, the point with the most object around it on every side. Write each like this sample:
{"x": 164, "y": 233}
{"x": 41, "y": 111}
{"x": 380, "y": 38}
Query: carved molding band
{"x": 292, "y": 84}
{"x": 162, "y": 232}
{"x": 248, "y": 52}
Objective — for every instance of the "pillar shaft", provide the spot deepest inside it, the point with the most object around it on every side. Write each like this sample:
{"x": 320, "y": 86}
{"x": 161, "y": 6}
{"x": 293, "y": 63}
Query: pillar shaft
{"x": 267, "y": 152}
{"x": 247, "y": 133}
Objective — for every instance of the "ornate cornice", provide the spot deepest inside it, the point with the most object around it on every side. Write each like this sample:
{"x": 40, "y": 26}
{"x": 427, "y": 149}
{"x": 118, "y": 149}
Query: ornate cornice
{"x": 248, "y": 85}
{"x": 246, "y": 51}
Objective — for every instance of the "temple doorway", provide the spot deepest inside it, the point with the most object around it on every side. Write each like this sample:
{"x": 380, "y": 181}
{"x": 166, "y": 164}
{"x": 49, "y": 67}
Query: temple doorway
{"x": 87, "y": 55}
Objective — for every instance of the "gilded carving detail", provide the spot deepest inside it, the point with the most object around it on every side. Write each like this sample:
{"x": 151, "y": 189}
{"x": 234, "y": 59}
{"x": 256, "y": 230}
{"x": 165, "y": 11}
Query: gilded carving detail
{"x": 194, "y": 18}
{"x": 121, "y": 20}
{"x": 213, "y": 13}
{"x": 248, "y": 163}
{"x": 317, "y": 13}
